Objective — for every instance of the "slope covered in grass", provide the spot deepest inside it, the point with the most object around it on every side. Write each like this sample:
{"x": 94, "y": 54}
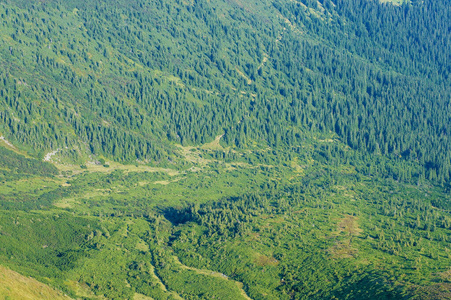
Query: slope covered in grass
{"x": 15, "y": 286}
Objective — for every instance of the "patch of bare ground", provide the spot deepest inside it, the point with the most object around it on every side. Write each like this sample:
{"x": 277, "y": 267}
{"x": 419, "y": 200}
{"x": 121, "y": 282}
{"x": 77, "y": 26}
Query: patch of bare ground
{"x": 349, "y": 225}
{"x": 264, "y": 260}
{"x": 343, "y": 248}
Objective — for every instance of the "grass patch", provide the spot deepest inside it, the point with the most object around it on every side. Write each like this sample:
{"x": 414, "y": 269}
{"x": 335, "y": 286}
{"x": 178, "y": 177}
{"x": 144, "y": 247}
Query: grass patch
{"x": 16, "y": 286}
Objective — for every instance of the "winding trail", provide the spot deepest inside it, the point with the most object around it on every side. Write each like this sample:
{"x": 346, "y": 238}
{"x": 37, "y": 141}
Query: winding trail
{"x": 2, "y": 138}
{"x": 162, "y": 286}
{"x": 213, "y": 274}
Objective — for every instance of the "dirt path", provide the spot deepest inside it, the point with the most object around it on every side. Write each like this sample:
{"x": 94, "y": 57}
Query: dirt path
{"x": 248, "y": 80}
{"x": 2, "y": 138}
{"x": 162, "y": 286}
{"x": 48, "y": 156}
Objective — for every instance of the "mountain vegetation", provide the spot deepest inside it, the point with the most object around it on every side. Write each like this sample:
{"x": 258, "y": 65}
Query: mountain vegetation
{"x": 262, "y": 149}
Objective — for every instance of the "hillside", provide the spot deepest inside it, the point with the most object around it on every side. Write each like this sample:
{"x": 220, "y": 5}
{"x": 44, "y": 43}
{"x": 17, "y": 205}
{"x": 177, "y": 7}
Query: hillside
{"x": 226, "y": 149}
{"x": 15, "y": 286}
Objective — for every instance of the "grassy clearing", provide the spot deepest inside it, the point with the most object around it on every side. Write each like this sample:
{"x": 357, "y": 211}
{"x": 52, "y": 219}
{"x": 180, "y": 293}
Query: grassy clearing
{"x": 66, "y": 203}
{"x": 349, "y": 225}
{"x": 214, "y": 145}
{"x": 264, "y": 260}
{"x": 192, "y": 155}
{"x": 113, "y": 166}
{"x": 141, "y": 297}
{"x": 16, "y": 286}
{"x": 349, "y": 228}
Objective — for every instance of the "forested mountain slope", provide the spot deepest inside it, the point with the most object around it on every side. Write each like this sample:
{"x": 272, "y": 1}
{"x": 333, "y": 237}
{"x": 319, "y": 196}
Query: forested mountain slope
{"x": 128, "y": 79}
{"x": 230, "y": 149}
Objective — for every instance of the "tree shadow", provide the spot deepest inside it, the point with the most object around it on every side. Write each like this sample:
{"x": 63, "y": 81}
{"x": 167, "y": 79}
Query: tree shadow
{"x": 176, "y": 216}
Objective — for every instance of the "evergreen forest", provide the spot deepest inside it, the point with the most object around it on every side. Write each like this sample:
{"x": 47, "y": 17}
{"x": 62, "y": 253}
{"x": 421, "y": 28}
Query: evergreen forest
{"x": 225, "y": 149}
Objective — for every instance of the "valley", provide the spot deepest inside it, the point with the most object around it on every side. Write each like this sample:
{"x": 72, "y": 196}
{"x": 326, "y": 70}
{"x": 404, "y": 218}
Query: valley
{"x": 262, "y": 149}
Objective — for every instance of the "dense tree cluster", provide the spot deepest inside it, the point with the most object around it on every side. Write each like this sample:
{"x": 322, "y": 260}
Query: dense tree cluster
{"x": 128, "y": 79}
